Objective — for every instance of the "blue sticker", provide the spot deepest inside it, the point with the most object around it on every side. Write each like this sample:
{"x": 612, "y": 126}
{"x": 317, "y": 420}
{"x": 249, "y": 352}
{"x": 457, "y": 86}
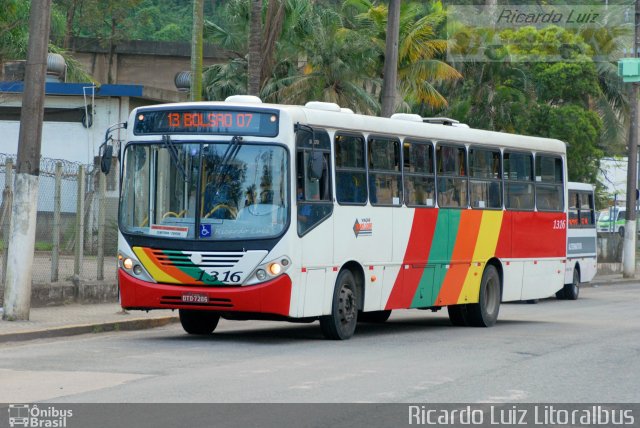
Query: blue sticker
{"x": 205, "y": 231}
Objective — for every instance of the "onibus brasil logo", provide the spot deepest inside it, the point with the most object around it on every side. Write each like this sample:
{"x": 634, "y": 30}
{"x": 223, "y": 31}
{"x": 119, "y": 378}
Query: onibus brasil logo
{"x": 25, "y": 415}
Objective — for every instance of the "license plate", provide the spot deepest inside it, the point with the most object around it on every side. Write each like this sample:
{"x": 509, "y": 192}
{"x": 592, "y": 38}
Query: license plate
{"x": 195, "y": 298}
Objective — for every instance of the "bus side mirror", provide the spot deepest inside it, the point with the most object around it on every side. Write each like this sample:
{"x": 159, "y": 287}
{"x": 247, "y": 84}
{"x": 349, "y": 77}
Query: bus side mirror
{"x": 105, "y": 161}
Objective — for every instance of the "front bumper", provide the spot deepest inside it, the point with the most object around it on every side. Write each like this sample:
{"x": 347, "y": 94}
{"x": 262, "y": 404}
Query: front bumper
{"x": 271, "y": 297}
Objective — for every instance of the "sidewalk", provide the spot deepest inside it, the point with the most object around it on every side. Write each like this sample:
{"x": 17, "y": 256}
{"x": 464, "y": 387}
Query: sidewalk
{"x": 68, "y": 320}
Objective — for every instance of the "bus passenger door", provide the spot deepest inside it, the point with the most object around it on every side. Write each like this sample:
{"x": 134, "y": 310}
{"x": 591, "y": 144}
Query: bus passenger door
{"x": 314, "y": 222}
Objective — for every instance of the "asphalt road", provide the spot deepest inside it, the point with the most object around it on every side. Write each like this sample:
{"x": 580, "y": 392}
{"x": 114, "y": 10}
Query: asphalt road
{"x": 554, "y": 351}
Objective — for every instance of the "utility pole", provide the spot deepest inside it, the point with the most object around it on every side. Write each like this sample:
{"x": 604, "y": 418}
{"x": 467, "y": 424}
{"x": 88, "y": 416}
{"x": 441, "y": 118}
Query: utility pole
{"x": 629, "y": 243}
{"x": 196, "y": 50}
{"x": 17, "y": 295}
{"x": 390, "y": 78}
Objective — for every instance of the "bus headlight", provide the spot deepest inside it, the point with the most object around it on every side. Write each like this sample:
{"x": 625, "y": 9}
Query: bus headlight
{"x": 270, "y": 270}
{"x": 133, "y": 267}
{"x": 275, "y": 269}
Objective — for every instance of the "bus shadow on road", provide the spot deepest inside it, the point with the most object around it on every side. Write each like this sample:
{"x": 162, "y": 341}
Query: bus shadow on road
{"x": 284, "y": 333}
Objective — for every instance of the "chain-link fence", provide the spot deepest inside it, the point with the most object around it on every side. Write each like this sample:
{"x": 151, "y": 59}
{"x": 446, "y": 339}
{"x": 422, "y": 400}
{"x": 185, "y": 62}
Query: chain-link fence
{"x": 68, "y": 246}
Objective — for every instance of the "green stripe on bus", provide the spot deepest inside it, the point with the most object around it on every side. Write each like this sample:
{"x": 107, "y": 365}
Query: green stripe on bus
{"x": 444, "y": 239}
{"x": 177, "y": 258}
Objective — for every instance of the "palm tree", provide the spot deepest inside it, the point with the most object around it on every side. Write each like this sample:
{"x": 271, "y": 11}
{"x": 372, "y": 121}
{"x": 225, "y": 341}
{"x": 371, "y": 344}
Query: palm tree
{"x": 390, "y": 73}
{"x": 419, "y": 65}
{"x": 337, "y": 68}
{"x": 255, "y": 54}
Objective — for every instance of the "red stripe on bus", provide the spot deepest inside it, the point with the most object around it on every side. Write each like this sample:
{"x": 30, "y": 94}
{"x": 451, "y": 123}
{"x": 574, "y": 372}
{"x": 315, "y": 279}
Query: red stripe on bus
{"x": 417, "y": 253}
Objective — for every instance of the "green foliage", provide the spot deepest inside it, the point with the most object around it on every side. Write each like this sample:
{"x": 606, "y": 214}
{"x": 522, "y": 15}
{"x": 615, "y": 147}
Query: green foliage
{"x": 14, "y": 29}
{"x": 580, "y": 129}
{"x": 552, "y": 78}
{"x": 562, "y": 99}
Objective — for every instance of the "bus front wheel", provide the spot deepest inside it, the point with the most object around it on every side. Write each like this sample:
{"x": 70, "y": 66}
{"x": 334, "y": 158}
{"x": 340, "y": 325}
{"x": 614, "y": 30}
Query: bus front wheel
{"x": 341, "y": 324}
{"x": 198, "y": 322}
{"x": 485, "y": 312}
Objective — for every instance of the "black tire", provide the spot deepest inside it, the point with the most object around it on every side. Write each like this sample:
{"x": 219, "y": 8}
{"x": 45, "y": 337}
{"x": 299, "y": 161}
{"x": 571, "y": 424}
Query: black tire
{"x": 341, "y": 324}
{"x": 485, "y": 312}
{"x": 458, "y": 315}
{"x": 198, "y": 322}
{"x": 374, "y": 317}
{"x": 532, "y": 301}
{"x": 572, "y": 291}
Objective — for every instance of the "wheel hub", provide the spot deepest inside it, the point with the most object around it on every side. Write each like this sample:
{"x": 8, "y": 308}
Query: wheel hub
{"x": 347, "y": 305}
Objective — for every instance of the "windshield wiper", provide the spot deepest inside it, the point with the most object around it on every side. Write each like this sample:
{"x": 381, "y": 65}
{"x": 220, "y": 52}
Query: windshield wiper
{"x": 230, "y": 154}
{"x": 173, "y": 152}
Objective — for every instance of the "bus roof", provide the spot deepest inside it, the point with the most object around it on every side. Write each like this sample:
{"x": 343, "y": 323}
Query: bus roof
{"x": 331, "y": 116}
{"x": 573, "y": 185}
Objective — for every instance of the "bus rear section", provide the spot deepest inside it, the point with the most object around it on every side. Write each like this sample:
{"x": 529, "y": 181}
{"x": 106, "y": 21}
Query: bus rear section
{"x": 582, "y": 262}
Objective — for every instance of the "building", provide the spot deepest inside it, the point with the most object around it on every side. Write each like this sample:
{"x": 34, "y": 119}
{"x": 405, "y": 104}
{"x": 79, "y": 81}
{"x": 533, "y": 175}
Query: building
{"x": 76, "y": 117}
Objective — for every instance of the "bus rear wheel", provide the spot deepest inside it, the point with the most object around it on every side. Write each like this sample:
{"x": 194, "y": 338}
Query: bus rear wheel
{"x": 374, "y": 316}
{"x": 198, "y": 322}
{"x": 570, "y": 291}
{"x": 485, "y": 312}
{"x": 341, "y": 324}
{"x": 458, "y": 315}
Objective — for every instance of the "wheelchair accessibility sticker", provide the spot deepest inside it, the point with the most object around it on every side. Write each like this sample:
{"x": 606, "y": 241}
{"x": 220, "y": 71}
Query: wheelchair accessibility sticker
{"x": 205, "y": 231}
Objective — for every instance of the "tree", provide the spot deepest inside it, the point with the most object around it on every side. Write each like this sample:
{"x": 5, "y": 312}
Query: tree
{"x": 196, "y": 50}
{"x": 108, "y": 21}
{"x": 14, "y": 34}
{"x": 420, "y": 66}
{"x": 255, "y": 54}
{"x": 390, "y": 71}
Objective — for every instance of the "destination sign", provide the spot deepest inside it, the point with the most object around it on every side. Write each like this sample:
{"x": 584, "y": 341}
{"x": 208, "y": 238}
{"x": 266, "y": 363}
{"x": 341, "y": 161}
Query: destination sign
{"x": 207, "y": 121}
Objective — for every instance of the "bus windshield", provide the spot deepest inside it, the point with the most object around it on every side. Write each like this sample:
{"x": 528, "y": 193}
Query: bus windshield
{"x": 209, "y": 191}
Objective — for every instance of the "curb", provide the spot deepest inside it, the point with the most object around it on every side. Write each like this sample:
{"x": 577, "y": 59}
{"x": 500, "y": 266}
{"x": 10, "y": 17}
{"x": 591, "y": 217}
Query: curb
{"x": 606, "y": 282}
{"x": 73, "y": 330}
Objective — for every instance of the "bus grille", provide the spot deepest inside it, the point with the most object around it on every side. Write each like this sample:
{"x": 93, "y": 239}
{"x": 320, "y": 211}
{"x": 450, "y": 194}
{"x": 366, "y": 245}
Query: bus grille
{"x": 200, "y": 259}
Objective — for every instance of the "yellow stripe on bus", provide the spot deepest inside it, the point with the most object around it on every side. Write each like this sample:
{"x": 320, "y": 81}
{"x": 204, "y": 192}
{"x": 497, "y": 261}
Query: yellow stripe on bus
{"x": 157, "y": 273}
{"x": 485, "y": 249}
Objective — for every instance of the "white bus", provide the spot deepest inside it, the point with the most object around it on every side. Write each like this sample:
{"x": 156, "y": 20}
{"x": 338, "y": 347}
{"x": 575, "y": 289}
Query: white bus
{"x": 245, "y": 210}
{"x": 582, "y": 260}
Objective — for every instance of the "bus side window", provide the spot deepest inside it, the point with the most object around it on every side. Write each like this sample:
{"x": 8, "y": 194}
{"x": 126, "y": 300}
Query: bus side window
{"x": 518, "y": 181}
{"x": 419, "y": 178}
{"x": 451, "y": 176}
{"x": 549, "y": 183}
{"x": 313, "y": 195}
{"x": 351, "y": 183}
{"x": 574, "y": 209}
{"x": 385, "y": 183}
{"x": 485, "y": 178}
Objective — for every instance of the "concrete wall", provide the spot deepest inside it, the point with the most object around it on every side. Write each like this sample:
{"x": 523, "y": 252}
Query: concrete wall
{"x": 151, "y": 64}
